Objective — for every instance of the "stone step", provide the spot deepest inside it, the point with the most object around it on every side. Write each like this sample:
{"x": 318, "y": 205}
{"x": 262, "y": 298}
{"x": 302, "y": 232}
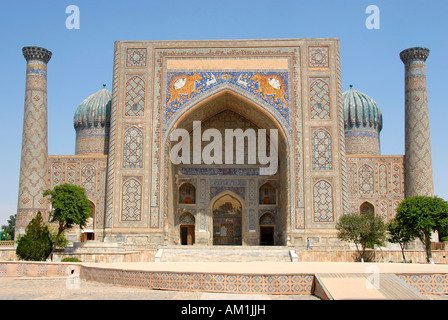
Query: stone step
{"x": 224, "y": 254}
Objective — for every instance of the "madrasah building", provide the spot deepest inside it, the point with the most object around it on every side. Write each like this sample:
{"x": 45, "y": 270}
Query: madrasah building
{"x": 328, "y": 145}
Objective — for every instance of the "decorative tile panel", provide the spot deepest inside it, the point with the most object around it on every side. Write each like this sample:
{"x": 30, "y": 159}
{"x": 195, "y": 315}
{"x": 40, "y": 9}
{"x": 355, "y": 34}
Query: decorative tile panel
{"x": 135, "y": 97}
{"x": 318, "y": 57}
{"x": 272, "y": 88}
{"x": 133, "y": 148}
{"x": 321, "y": 150}
{"x": 131, "y": 200}
{"x": 320, "y": 99}
{"x": 366, "y": 178}
{"x": 136, "y": 57}
{"x": 323, "y": 201}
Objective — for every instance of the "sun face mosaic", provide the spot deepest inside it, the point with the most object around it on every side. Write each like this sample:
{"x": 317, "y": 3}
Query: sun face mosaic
{"x": 271, "y": 87}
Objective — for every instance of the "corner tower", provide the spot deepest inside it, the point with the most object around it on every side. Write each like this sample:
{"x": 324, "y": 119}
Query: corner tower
{"x": 33, "y": 166}
{"x": 418, "y": 158}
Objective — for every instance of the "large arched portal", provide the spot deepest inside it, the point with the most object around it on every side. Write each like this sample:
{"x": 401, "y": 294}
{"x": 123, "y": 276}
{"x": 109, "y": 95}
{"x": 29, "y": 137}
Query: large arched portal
{"x": 201, "y": 152}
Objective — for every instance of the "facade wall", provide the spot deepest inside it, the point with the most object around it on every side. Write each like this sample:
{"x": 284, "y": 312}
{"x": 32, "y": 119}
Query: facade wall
{"x": 157, "y": 84}
{"x": 378, "y": 180}
{"x": 88, "y": 172}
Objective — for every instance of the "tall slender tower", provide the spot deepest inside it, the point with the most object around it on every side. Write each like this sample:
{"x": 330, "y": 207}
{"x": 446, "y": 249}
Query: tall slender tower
{"x": 418, "y": 157}
{"x": 33, "y": 166}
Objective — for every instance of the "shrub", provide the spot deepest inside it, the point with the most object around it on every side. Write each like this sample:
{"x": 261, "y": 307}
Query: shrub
{"x": 35, "y": 244}
{"x": 71, "y": 259}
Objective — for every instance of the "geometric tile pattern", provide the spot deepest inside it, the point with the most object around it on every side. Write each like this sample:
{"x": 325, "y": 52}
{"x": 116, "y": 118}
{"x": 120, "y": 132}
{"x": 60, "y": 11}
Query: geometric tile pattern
{"x": 320, "y": 100}
{"x": 382, "y": 179}
{"x": 187, "y": 218}
{"x": 427, "y": 283}
{"x": 33, "y": 167}
{"x": 321, "y": 146}
{"x": 135, "y": 97}
{"x": 318, "y": 57}
{"x": 366, "y": 178}
{"x": 323, "y": 202}
{"x": 88, "y": 178}
{"x": 389, "y": 179}
{"x": 396, "y": 179}
{"x": 285, "y": 284}
{"x": 87, "y": 171}
{"x": 418, "y": 156}
{"x": 136, "y": 57}
{"x": 56, "y": 172}
{"x": 133, "y": 148}
{"x": 131, "y": 200}
{"x": 383, "y": 211}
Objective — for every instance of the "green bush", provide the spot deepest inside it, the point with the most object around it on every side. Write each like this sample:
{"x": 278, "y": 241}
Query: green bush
{"x": 35, "y": 244}
{"x": 71, "y": 259}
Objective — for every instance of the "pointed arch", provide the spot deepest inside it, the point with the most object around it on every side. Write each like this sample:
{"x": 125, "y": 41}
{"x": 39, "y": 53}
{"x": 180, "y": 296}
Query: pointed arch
{"x": 366, "y": 207}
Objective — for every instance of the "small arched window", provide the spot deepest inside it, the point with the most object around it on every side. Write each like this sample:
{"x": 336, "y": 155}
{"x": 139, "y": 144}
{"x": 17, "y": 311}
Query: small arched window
{"x": 267, "y": 194}
{"x": 366, "y": 207}
{"x": 187, "y": 193}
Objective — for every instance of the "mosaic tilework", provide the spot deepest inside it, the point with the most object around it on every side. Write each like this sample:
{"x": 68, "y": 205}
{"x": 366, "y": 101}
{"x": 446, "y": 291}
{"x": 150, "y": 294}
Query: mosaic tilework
{"x": 88, "y": 178}
{"x": 267, "y": 219}
{"x": 86, "y": 171}
{"x": 136, "y": 57}
{"x": 207, "y": 282}
{"x": 133, "y": 148}
{"x": 56, "y": 172}
{"x": 92, "y": 140}
{"x": 384, "y": 210}
{"x": 270, "y": 87}
{"x": 131, "y": 200}
{"x": 366, "y": 178}
{"x": 33, "y": 167}
{"x": 387, "y": 183}
{"x": 320, "y": 100}
{"x": 318, "y": 57}
{"x": 323, "y": 202}
{"x": 418, "y": 156}
{"x": 427, "y": 283}
{"x": 382, "y": 179}
{"x": 135, "y": 97}
{"x": 186, "y": 218}
{"x": 321, "y": 150}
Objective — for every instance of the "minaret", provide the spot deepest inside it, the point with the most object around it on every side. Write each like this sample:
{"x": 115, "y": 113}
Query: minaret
{"x": 33, "y": 166}
{"x": 418, "y": 157}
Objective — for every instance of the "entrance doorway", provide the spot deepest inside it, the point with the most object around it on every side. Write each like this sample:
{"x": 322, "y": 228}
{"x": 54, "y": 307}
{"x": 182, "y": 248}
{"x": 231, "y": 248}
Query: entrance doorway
{"x": 267, "y": 229}
{"x": 227, "y": 220}
{"x": 266, "y": 235}
{"x": 85, "y": 236}
{"x": 187, "y": 223}
{"x": 187, "y": 235}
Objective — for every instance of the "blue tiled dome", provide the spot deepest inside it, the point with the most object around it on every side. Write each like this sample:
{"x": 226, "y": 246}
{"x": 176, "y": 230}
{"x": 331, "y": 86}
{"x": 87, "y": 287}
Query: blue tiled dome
{"x": 94, "y": 111}
{"x": 361, "y": 111}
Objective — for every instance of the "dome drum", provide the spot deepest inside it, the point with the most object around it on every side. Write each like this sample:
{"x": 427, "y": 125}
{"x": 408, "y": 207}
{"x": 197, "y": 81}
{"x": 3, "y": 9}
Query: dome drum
{"x": 363, "y": 122}
{"x": 91, "y": 122}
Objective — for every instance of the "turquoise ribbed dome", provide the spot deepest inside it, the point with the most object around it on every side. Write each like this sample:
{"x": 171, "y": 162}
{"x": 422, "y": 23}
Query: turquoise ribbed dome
{"x": 94, "y": 111}
{"x": 361, "y": 111}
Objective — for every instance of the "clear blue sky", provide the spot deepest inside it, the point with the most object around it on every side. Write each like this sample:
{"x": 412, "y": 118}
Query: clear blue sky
{"x": 83, "y": 59}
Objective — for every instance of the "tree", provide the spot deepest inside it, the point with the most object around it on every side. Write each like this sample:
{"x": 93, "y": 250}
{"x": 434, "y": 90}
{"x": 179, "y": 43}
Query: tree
{"x": 421, "y": 216}
{"x": 399, "y": 234}
{"x": 35, "y": 244}
{"x": 365, "y": 230}
{"x": 9, "y": 229}
{"x": 70, "y": 207}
